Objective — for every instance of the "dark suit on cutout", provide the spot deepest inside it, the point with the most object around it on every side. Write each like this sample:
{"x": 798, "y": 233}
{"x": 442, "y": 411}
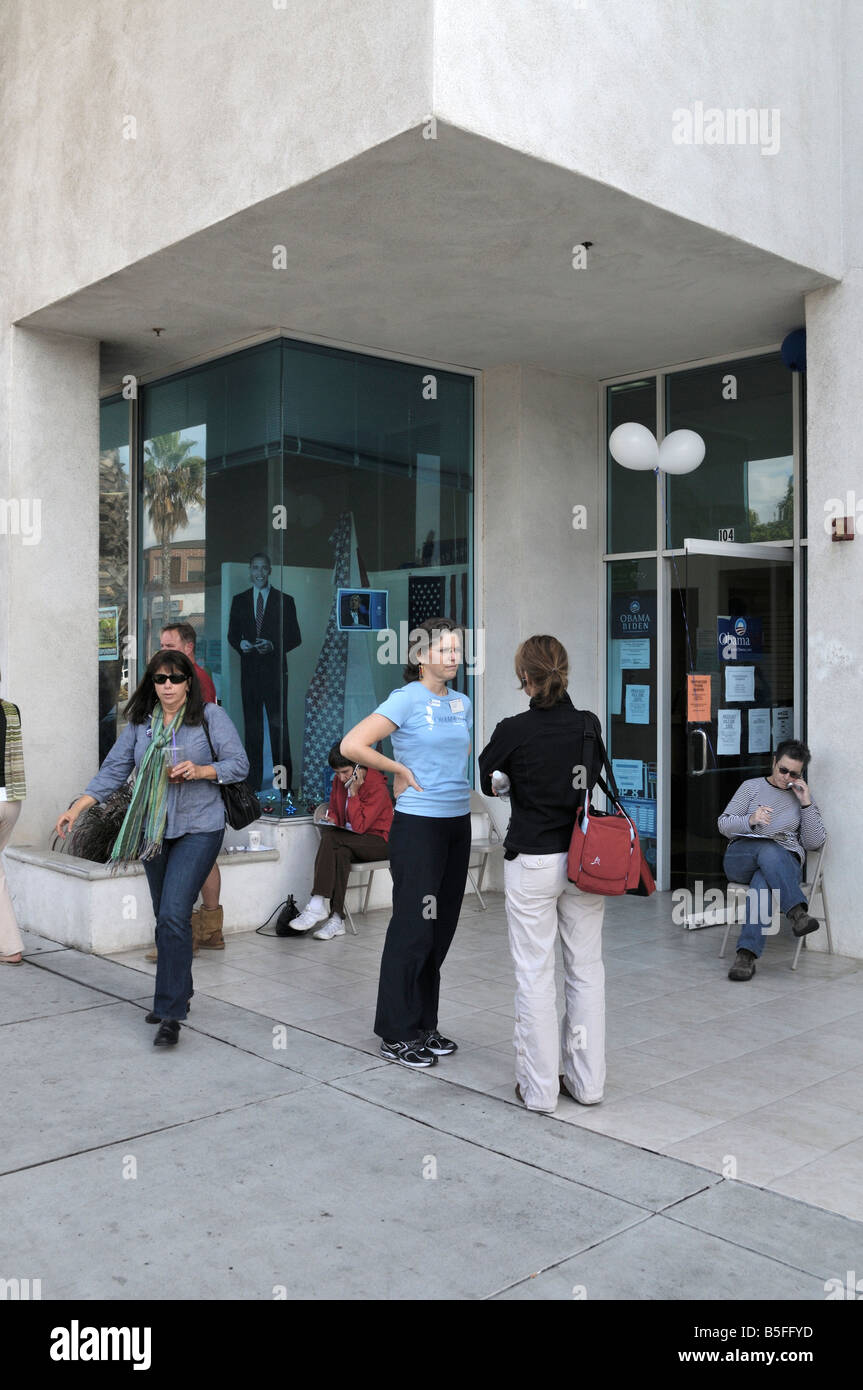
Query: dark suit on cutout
{"x": 262, "y": 673}
{"x": 362, "y": 613}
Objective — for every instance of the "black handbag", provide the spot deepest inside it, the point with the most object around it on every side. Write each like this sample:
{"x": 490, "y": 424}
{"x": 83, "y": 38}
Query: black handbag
{"x": 241, "y": 804}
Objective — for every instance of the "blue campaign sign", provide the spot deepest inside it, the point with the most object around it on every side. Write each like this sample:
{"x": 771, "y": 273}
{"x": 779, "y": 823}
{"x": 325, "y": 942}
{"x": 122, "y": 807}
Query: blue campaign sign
{"x": 633, "y": 615}
{"x": 739, "y": 639}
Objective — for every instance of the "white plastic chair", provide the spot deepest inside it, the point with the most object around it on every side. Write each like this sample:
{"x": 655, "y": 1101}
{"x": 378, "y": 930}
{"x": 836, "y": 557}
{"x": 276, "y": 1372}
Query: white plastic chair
{"x": 372, "y": 865}
{"x": 482, "y": 845}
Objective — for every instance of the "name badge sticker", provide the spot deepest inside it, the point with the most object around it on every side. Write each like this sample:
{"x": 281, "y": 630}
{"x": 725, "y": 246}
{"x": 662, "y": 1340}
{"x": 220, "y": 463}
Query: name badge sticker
{"x": 457, "y": 706}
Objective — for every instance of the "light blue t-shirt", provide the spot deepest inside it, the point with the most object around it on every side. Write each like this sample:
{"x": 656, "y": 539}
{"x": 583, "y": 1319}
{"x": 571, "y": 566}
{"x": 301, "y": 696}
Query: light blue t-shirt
{"x": 432, "y": 738}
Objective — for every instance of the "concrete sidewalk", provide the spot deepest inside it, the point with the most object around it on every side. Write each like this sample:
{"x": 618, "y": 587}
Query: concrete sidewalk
{"x": 260, "y": 1157}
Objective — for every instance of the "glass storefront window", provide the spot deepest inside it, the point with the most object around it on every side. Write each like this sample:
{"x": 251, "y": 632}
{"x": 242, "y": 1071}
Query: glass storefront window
{"x": 632, "y": 692}
{"x": 743, "y": 491}
{"x": 303, "y": 508}
{"x": 631, "y": 496}
{"x": 113, "y": 566}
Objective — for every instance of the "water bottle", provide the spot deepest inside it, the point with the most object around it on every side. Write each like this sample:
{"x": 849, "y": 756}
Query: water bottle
{"x": 500, "y": 782}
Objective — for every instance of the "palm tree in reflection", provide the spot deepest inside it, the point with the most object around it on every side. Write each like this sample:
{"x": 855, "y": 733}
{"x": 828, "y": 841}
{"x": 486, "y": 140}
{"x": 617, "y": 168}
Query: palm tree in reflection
{"x": 173, "y": 481}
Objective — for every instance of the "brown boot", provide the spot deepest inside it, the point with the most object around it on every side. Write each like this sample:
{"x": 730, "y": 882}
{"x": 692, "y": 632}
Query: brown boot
{"x": 210, "y": 931}
{"x": 195, "y": 921}
{"x": 154, "y": 954}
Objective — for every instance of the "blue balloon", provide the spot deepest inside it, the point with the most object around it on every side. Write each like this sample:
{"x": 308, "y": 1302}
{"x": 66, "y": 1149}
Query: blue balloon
{"x": 794, "y": 350}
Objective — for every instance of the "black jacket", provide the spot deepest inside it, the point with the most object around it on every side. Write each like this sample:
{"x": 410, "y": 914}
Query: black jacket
{"x": 540, "y": 752}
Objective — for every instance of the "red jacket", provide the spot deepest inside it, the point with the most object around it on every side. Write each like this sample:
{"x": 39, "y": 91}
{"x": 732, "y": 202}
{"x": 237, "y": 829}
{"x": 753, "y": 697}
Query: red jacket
{"x": 208, "y": 690}
{"x": 371, "y": 810}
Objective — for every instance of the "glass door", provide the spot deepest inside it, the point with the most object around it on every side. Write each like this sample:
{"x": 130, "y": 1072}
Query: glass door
{"x": 732, "y": 690}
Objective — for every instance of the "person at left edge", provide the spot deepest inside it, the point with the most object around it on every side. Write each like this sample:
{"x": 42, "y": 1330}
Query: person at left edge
{"x": 175, "y": 823}
{"x": 13, "y": 790}
{"x": 263, "y": 628}
{"x": 208, "y": 919}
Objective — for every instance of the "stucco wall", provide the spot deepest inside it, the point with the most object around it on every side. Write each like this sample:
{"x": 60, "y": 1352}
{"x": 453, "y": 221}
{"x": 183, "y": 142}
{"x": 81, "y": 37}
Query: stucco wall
{"x": 539, "y": 574}
{"x": 51, "y": 583}
{"x": 834, "y": 328}
{"x": 232, "y": 102}
{"x": 593, "y": 86}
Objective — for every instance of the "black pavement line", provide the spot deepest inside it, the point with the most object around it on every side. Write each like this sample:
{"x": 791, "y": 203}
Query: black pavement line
{"x": 741, "y": 1244}
{"x": 585, "y": 1250}
{"x": 771, "y": 1191}
{"x": 128, "y": 1139}
{"x": 525, "y": 1162}
{"x": 271, "y": 1061}
{"x": 145, "y": 1134}
{"x": 46, "y": 1018}
{"x": 193, "y": 1027}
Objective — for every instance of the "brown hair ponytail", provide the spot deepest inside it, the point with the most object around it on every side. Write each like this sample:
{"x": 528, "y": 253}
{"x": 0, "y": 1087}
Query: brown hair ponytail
{"x": 544, "y": 662}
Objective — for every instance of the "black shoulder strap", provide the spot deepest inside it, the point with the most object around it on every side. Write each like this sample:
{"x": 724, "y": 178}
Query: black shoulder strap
{"x": 207, "y": 732}
{"x": 593, "y": 739}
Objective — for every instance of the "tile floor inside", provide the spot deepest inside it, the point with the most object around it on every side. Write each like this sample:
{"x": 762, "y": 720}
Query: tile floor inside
{"x": 761, "y": 1081}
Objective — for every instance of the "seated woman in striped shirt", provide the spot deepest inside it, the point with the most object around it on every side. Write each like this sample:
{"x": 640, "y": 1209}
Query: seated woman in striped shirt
{"x": 771, "y": 823}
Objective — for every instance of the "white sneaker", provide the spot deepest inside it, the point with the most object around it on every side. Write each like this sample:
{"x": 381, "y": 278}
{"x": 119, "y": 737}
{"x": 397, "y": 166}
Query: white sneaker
{"x": 308, "y": 918}
{"x": 333, "y": 927}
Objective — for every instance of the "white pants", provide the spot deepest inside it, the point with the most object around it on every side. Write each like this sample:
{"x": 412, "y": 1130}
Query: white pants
{"x": 10, "y": 937}
{"x": 540, "y": 902}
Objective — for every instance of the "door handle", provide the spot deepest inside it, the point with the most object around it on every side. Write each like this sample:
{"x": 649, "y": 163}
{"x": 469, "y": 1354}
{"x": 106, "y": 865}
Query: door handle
{"x": 700, "y": 771}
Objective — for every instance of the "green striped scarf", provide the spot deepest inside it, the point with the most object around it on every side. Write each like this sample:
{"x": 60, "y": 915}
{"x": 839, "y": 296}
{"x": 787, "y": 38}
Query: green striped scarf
{"x": 143, "y": 827}
{"x": 16, "y": 787}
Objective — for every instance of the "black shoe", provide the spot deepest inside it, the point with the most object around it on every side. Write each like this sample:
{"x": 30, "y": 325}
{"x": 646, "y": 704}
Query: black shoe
{"x": 410, "y": 1054}
{"x": 155, "y": 1018}
{"x": 743, "y": 967}
{"x": 169, "y": 1032}
{"x": 801, "y": 923}
{"x": 440, "y": 1046}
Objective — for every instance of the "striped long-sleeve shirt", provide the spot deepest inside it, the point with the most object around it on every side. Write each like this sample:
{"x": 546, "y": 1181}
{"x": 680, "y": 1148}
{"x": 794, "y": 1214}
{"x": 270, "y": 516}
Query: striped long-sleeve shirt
{"x": 793, "y": 826}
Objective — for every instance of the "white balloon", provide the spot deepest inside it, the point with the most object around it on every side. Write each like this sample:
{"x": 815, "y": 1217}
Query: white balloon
{"x": 633, "y": 446}
{"x": 681, "y": 452}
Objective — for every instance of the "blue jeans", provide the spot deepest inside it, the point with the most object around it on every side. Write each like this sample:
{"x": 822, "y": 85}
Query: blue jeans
{"x": 765, "y": 866}
{"x": 176, "y": 877}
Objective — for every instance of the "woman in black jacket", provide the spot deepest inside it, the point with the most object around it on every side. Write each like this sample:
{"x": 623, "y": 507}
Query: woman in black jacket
{"x": 550, "y": 753}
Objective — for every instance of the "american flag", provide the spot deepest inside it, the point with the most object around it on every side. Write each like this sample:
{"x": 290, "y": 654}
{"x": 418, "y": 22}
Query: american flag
{"x": 426, "y": 598}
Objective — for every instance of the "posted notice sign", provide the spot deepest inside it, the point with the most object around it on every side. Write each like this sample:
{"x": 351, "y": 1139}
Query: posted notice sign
{"x": 698, "y": 699}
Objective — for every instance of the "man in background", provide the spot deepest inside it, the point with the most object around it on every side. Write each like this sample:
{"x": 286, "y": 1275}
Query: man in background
{"x": 181, "y": 637}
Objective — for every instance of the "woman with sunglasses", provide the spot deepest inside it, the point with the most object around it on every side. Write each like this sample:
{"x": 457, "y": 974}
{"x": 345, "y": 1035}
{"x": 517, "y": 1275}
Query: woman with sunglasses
{"x": 771, "y": 823}
{"x": 176, "y": 819}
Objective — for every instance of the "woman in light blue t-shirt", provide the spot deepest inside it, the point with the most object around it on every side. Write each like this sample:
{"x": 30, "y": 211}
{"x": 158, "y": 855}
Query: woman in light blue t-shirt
{"x": 430, "y": 727}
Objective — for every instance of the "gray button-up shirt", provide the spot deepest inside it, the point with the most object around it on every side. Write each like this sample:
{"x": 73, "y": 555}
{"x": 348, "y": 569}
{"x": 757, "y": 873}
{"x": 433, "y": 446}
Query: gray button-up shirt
{"x": 193, "y": 807}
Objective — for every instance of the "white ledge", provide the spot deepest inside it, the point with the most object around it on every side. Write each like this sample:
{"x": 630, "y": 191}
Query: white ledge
{"x": 89, "y": 869}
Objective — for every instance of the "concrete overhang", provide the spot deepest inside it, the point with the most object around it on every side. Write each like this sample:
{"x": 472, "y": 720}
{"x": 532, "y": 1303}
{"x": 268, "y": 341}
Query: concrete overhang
{"x": 456, "y": 250}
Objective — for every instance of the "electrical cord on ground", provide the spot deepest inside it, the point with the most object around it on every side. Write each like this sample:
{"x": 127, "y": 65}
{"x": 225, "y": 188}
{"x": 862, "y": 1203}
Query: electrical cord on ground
{"x": 287, "y": 910}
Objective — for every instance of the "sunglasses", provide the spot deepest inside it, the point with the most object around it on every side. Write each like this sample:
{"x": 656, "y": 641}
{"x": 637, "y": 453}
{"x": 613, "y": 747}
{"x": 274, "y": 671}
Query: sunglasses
{"x": 173, "y": 680}
{"x": 787, "y": 772}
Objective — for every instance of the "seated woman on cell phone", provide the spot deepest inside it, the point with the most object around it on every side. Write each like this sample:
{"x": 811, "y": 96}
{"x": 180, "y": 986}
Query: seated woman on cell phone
{"x": 355, "y": 829}
{"x": 771, "y": 823}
